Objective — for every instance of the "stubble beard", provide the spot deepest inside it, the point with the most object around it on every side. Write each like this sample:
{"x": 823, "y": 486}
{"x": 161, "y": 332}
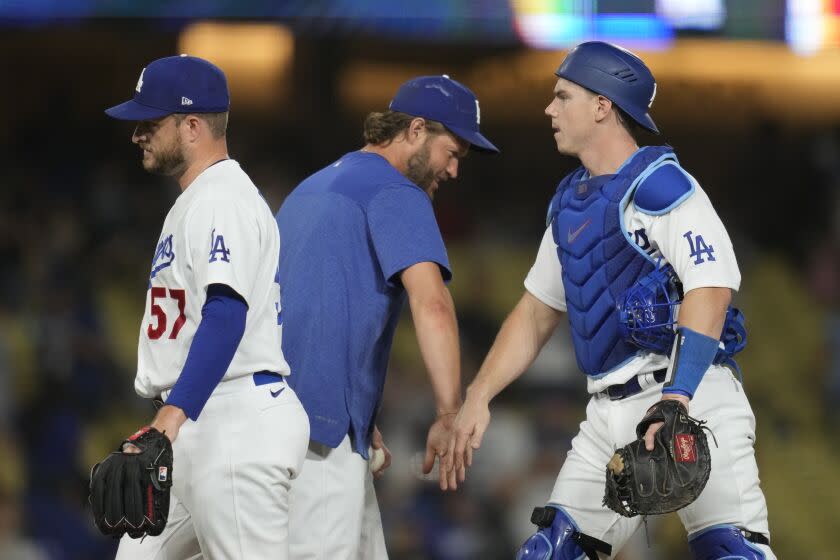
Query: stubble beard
{"x": 168, "y": 162}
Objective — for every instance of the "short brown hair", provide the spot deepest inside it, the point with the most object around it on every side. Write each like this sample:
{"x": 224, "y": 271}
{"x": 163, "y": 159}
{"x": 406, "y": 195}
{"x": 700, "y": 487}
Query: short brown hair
{"x": 382, "y": 128}
{"x": 217, "y": 122}
{"x": 627, "y": 122}
{"x": 633, "y": 128}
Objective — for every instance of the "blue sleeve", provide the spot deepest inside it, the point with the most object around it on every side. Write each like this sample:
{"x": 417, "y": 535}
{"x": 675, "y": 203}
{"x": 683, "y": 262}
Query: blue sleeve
{"x": 404, "y": 231}
{"x": 214, "y": 344}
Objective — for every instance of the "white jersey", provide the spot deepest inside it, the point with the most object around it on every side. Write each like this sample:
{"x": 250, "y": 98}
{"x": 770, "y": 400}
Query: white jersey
{"x": 219, "y": 231}
{"x": 691, "y": 238}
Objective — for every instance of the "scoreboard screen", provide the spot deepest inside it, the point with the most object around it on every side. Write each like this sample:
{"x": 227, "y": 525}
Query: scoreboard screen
{"x": 807, "y": 25}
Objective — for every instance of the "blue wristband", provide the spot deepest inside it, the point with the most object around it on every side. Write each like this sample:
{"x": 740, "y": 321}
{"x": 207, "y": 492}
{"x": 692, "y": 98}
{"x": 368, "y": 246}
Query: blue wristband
{"x": 693, "y": 354}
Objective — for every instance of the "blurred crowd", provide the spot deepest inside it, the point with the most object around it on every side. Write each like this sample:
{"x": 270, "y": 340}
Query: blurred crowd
{"x": 77, "y": 233}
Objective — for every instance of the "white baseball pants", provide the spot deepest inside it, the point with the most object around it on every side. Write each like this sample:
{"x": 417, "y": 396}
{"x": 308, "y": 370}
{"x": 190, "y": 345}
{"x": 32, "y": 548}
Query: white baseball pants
{"x": 731, "y": 496}
{"x": 231, "y": 474}
{"x": 334, "y": 512}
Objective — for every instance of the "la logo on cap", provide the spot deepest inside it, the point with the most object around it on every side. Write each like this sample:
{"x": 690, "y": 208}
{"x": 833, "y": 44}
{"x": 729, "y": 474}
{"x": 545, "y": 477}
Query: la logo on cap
{"x": 140, "y": 81}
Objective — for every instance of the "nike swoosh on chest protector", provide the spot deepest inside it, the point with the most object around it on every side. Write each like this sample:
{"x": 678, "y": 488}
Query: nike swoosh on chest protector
{"x": 574, "y": 234}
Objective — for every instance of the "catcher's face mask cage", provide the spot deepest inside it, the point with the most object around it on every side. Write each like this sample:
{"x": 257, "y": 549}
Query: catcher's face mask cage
{"x": 648, "y": 311}
{"x": 734, "y": 338}
{"x": 648, "y": 317}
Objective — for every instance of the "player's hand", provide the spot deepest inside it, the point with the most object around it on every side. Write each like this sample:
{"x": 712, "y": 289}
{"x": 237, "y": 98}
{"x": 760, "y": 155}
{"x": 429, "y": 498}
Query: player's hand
{"x": 470, "y": 424}
{"x": 437, "y": 445}
{"x": 167, "y": 421}
{"x": 653, "y": 428}
{"x": 130, "y": 449}
{"x": 377, "y": 443}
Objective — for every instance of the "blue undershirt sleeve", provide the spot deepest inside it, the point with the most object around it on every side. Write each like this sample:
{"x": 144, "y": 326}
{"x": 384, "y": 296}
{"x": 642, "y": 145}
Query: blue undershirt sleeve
{"x": 211, "y": 352}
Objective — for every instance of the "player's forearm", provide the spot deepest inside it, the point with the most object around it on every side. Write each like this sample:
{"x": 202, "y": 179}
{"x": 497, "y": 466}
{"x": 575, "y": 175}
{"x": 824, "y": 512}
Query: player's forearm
{"x": 703, "y": 310}
{"x": 437, "y": 336}
{"x": 520, "y": 339}
{"x": 169, "y": 420}
{"x": 701, "y": 319}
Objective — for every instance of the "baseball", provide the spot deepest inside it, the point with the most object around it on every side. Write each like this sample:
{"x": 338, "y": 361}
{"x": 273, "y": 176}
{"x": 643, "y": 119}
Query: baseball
{"x": 377, "y": 459}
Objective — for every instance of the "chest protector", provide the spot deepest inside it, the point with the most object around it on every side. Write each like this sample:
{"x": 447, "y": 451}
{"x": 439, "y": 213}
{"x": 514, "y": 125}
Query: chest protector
{"x": 600, "y": 260}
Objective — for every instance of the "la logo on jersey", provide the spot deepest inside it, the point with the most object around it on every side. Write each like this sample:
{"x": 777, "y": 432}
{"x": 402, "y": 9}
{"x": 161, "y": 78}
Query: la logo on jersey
{"x": 218, "y": 250}
{"x": 164, "y": 255}
{"x": 699, "y": 248}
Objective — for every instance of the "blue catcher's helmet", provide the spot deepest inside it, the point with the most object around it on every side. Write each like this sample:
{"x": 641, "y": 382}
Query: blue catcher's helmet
{"x": 648, "y": 316}
{"x": 615, "y": 73}
{"x": 648, "y": 312}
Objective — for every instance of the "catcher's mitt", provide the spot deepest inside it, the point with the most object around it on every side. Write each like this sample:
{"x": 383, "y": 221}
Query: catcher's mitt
{"x": 129, "y": 493}
{"x": 642, "y": 482}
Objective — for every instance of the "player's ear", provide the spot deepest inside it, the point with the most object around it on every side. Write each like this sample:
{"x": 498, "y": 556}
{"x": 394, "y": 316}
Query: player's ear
{"x": 416, "y": 130}
{"x": 602, "y": 107}
{"x": 193, "y": 127}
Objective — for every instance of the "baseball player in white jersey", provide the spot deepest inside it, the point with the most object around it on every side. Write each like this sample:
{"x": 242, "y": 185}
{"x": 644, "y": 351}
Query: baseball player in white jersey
{"x": 210, "y": 340}
{"x": 627, "y": 212}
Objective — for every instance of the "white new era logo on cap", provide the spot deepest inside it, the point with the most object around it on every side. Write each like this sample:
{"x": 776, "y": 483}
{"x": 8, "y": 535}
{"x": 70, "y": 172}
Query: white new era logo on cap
{"x": 186, "y": 101}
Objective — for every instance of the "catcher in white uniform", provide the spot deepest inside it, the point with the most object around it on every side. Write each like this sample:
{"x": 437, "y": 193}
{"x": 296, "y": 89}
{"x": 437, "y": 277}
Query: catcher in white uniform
{"x": 210, "y": 340}
{"x": 616, "y": 226}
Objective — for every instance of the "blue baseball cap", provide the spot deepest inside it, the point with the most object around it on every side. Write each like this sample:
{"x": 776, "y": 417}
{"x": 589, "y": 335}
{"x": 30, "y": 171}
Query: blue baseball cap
{"x": 442, "y": 99}
{"x": 175, "y": 84}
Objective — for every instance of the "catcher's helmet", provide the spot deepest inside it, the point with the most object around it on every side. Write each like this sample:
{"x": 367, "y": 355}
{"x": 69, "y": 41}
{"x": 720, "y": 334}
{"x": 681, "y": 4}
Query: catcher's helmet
{"x": 648, "y": 316}
{"x": 615, "y": 73}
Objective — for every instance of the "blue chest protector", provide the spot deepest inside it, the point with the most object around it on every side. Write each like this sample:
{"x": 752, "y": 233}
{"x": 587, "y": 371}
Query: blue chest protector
{"x": 599, "y": 260}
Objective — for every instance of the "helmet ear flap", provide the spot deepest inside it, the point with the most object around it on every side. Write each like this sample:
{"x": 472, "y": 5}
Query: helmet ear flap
{"x": 648, "y": 310}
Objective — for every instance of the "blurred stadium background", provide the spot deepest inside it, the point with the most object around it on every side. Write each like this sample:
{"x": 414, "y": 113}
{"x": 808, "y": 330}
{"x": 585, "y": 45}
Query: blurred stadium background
{"x": 748, "y": 95}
